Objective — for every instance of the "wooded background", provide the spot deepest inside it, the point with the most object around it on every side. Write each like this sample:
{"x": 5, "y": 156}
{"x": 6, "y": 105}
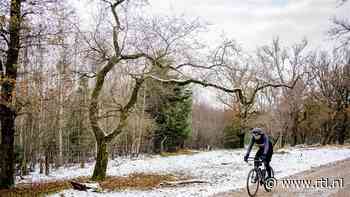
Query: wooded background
{"x": 129, "y": 84}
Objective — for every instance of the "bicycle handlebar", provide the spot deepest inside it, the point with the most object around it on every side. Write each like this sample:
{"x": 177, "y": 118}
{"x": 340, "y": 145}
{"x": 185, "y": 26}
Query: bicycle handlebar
{"x": 253, "y": 159}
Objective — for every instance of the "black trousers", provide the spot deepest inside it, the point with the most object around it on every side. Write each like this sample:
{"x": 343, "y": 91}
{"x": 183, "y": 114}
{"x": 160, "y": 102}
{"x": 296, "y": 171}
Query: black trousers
{"x": 268, "y": 157}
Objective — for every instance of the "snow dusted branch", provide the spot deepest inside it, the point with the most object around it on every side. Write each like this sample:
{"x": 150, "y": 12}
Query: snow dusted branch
{"x": 189, "y": 81}
{"x": 238, "y": 91}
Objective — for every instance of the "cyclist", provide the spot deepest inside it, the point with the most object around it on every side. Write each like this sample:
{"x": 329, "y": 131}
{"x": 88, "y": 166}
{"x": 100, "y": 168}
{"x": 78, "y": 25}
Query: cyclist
{"x": 265, "y": 148}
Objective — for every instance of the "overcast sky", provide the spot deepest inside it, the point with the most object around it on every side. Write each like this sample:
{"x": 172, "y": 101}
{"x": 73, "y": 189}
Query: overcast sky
{"x": 253, "y": 23}
{"x": 256, "y": 22}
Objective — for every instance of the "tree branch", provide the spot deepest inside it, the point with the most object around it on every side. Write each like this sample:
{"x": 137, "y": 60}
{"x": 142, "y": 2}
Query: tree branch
{"x": 196, "y": 66}
{"x": 124, "y": 114}
{"x": 202, "y": 83}
{"x": 266, "y": 85}
{"x": 5, "y": 38}
{"x": 134, "y": 56}
{"x": 93, "y": 109}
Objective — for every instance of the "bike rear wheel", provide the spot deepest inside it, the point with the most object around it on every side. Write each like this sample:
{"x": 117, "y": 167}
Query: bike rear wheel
{"x": 253, "y": 181}
{"x": 272, "y": 176}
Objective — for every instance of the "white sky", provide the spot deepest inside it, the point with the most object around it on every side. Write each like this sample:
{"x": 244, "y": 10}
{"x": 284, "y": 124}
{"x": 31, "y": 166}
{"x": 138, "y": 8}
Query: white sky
{"x": 251, "y": 23}
{"x": 256, "y": 22}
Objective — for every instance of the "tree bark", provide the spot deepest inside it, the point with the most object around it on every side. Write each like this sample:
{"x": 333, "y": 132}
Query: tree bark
{"x": 101, "y": 137}
{"x": 101, "y": 161}
{"x": 8, "y": 87}
{"x": 342, "y": 129}
{"x": 7, "y": 148}
{"x": 295, "y": 126}
{"x": 241, "y": 139}
{"x": 47, "y": 163}
{"x": 41, "y": 165}
{"x": 325, "y": 134}
{"x": 294, "y": 138}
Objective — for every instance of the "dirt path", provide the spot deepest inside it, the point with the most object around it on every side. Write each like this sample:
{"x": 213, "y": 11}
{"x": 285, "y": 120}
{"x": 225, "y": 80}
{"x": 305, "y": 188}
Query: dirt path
{"x": 333, "y": 171}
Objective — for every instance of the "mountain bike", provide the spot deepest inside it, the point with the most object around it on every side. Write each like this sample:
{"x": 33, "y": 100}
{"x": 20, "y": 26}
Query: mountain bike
{"x": 257, "y": 176}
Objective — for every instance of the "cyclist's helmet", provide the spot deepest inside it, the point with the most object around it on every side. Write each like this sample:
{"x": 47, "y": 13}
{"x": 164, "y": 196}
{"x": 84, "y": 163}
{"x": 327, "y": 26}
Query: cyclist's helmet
{"x": 257, "y": 132}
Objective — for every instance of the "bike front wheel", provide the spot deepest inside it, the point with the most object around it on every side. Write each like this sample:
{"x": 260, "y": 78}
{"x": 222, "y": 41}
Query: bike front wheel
{"x": 253, "y": 181}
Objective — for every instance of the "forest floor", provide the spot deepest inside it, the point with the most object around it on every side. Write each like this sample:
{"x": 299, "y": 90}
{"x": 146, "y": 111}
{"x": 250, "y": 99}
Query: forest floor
{"x": 221, "y": 171}
{"x": 137, "y": 181}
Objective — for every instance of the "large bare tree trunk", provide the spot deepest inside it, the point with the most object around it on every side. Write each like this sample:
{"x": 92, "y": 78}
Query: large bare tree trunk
{"x": 7, "y": 147}
{"x": 102, "y": 138}
{"x": 7, "y": 110}
{"x": 101, "y": 160}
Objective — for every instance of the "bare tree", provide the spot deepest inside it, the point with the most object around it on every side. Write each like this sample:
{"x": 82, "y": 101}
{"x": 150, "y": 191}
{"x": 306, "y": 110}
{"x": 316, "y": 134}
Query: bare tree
{"x": 18, "y": 29}
{"x": 340, "y": 29}
{"x": 253, "y": 75}
{"x": 146, "y": 45}
{"x": 135, "y": 46}
{"x": 8, "y": 84}
{"x": 332, "y": 79}
{"x": 287, "y": 65}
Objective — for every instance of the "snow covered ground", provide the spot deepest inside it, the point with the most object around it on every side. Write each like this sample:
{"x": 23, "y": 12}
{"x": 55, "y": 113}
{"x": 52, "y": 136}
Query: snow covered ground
{"x": 223, "y": 169}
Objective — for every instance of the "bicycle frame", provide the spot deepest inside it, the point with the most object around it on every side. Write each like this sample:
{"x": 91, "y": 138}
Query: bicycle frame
{"x": 257, "y": 164}
{"x": 260, "y": 176}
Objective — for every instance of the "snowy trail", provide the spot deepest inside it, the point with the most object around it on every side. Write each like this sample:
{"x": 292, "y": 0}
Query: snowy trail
{"x": 336, "y": 171}
{"x": 223, "y": 169}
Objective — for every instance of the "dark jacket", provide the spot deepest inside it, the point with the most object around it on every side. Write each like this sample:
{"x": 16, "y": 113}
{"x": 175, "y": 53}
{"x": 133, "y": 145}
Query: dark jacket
{"x": 263, "y": 142}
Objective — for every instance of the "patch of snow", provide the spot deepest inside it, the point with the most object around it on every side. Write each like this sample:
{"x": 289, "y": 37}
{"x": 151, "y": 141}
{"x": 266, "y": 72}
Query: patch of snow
{"x": 223, "y": 169}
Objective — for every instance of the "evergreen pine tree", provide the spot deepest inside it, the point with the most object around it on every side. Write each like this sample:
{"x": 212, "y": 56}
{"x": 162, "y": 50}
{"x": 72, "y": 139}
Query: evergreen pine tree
{"x": 174, "y": 119}
{"x": 171, "y": 107}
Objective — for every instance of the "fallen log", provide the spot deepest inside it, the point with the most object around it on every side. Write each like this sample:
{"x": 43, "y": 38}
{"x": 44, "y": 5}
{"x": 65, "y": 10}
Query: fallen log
{"x": 86, "y": 186}
{"x": 79, "y": 186}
